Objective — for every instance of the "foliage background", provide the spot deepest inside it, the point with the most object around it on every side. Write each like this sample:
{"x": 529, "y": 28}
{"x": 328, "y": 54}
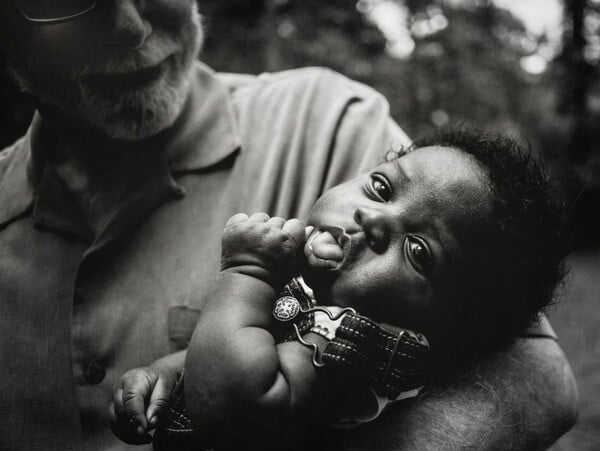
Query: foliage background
{"x": 447, "y": 61}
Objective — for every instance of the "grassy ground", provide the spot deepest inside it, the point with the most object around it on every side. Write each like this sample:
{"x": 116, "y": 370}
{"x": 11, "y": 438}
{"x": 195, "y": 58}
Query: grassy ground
{"x": 577, "y": 322}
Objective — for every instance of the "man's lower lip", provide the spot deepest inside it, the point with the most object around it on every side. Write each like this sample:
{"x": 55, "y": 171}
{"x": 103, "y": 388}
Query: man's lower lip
{"x": 129, "y": 80}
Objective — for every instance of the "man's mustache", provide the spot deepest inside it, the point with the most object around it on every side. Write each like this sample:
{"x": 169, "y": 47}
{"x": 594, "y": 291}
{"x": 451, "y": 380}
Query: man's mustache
{"x": 156, "y": 49}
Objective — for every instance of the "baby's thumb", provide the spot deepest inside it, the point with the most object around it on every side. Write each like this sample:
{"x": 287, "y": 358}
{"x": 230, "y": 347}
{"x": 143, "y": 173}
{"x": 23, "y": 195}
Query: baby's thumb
{"x": 159, "y": 399}
{"x": 296, "y": 230}
{"x": 308, "y": 230}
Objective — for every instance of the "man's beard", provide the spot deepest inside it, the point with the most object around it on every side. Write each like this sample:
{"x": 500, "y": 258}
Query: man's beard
{"x": 129, "y": 114}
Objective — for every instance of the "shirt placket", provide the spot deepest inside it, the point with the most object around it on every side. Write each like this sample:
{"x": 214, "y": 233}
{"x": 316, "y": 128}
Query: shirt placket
{"x": 56, "y": 211}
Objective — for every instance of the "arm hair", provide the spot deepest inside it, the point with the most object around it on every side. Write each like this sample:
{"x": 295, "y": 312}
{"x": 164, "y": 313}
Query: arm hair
{"x": 522, "y": 399}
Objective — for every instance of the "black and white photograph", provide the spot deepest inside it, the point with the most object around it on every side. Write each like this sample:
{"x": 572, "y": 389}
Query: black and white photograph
{"x": 299, "y": 225}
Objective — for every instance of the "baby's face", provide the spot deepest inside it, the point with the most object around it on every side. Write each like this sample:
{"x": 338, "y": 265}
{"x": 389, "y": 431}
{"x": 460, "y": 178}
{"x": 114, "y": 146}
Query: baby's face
{"x": 382, "y": 239}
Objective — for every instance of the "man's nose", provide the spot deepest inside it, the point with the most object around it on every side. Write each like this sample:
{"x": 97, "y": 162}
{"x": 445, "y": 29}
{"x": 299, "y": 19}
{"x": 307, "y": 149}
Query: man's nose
{"x": 129, "y": 28}
{"x": 376, "y": 226}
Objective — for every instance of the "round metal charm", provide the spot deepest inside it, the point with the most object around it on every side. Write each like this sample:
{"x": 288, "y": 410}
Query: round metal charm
{"x": 286, "y": 308}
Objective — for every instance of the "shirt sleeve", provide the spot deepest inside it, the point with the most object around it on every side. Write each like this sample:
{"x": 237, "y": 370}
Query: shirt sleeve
{"x": 304, "y": 131}
{"x": 365, "y": 132}
{"x": 541, "y": 329}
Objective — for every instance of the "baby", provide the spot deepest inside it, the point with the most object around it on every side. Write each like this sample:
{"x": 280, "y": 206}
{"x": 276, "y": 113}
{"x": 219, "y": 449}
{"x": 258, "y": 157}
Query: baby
{"x": 457, "y": 239}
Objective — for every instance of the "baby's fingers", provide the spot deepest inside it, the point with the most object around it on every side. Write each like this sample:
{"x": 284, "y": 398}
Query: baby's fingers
{"x": 159, "y": 400}
{"x": 129, "y": 406}
{"x": 276, "y": 221}
{"x": 137, "y": 387}
{"x": 295, "y": 229}
{"x": 259, "y": 217}
{"x": 122, "y": 426}
{"x": 308, "y": 230}
{"x": 239, "y": 217}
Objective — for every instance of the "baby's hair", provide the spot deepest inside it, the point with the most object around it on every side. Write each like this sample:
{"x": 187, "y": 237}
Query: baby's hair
{"x": 504, "y": 283}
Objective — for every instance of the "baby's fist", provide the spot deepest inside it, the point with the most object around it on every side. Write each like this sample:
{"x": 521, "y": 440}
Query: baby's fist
{"x": 262, "y": 246}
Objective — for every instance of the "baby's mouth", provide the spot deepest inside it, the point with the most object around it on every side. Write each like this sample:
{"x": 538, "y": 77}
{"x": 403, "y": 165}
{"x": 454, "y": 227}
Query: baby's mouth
{"x": 327, "y": 247}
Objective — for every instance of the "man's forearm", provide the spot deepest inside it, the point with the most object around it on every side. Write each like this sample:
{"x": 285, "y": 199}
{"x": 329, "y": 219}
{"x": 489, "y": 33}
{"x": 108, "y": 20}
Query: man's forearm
{"x": 523, "y": 399}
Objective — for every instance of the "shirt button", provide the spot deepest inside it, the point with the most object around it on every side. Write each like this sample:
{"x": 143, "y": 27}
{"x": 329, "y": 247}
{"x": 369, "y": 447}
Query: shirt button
{"x": 179, "y": 191}
{"x": 94, "y": 372}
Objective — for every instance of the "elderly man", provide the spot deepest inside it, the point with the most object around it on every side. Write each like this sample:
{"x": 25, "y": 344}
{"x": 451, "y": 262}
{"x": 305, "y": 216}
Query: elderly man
{"x": 112, "y": 204}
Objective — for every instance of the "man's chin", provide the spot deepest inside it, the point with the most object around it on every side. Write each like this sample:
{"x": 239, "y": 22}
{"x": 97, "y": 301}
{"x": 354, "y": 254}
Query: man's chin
{"x": 136, "y": 115}
{"x": 144, "y": 124}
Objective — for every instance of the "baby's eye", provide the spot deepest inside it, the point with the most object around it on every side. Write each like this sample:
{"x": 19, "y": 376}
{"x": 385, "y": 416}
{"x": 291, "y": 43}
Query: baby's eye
{"x": 381, "y": 187}
{"x": 419, "y": 254}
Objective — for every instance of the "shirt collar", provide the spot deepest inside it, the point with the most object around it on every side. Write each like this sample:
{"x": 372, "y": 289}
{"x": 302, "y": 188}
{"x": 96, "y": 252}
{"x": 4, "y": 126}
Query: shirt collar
{"x": 206, "y": 134}
{"x": 210, "y": 132}
{"x": 16, "y": 188}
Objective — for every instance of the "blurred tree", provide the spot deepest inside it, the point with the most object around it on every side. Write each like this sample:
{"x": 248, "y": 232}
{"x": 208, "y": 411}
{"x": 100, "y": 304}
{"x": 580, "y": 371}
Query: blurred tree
{"x": 577, "y": 78}
{"x": 465, "y": 71}
{"x": 577, "y": 75}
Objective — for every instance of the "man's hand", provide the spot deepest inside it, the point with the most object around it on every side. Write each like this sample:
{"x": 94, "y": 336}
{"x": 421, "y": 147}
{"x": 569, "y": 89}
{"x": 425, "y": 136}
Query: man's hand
{"x": 263, "y": 247}
{"x": 139, "y": 398}
{"x": 523, "y": 399}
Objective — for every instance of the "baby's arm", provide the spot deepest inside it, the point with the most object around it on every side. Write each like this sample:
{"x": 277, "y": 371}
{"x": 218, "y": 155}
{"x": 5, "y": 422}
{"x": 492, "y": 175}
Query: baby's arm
{"x": 140, "y": 397}
{"x": 235, "y": 372}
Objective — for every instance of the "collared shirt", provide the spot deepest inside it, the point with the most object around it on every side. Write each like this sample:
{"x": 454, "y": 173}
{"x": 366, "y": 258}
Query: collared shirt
{"x": 78, "y": 309}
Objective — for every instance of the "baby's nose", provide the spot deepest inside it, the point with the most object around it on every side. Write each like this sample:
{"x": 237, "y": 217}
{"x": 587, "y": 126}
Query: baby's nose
{"x": 375, "y": 226}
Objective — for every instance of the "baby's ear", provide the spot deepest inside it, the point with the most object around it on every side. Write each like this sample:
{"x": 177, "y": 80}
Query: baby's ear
{"x": 395, "y": 151}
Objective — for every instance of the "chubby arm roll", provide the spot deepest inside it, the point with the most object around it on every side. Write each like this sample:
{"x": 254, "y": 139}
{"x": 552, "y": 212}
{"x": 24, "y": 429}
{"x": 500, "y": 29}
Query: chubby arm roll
{"x": 236, "y": 376}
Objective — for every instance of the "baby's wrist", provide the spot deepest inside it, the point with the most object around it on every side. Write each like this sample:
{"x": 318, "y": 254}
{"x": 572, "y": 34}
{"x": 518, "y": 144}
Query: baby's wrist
{"x": 258, "y": 272}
